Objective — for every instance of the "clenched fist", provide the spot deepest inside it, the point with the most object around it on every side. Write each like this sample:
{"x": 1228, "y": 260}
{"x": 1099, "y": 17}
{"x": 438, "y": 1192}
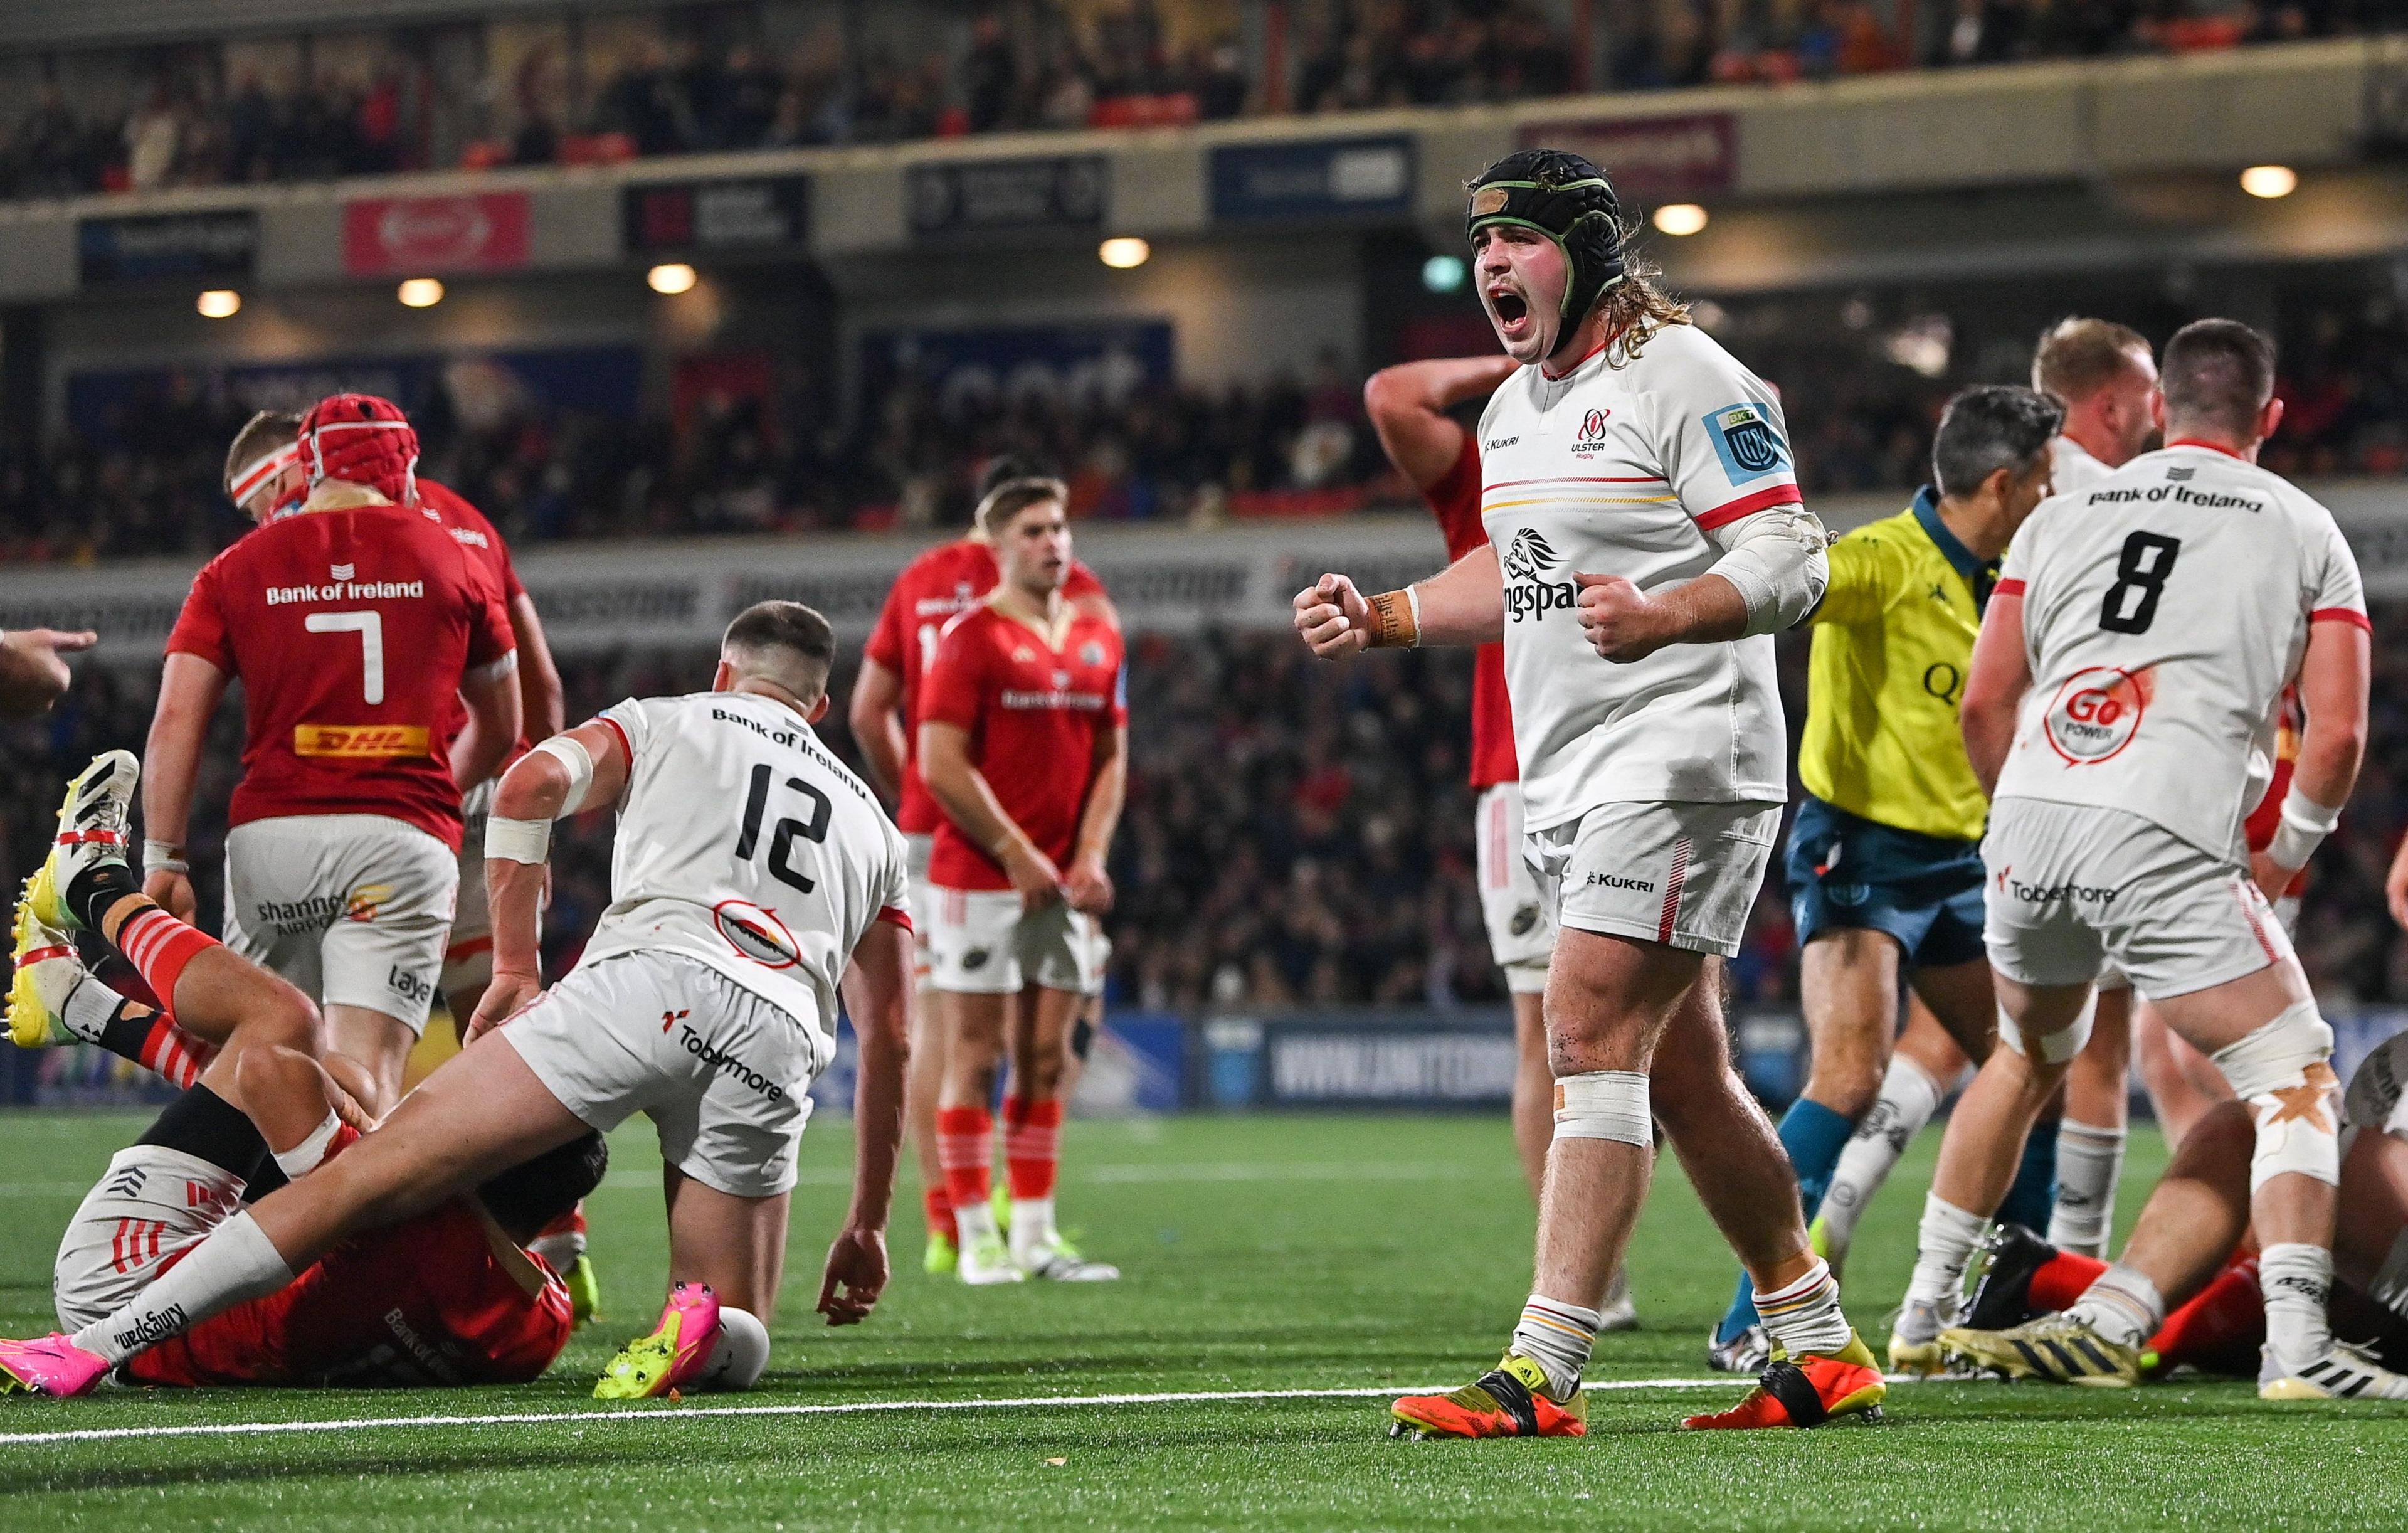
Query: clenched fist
{"x": 1333, "y": 618}
{"x": 1617, "y": 618}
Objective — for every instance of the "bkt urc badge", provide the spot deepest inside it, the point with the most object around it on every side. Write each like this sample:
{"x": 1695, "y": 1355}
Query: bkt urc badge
{"x": 1745, "y": 440}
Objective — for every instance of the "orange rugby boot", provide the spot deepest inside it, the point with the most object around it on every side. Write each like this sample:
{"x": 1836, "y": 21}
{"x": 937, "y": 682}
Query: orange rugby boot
{"x": 1814, "y": 1389}
{"x": 1503, "y": 1402}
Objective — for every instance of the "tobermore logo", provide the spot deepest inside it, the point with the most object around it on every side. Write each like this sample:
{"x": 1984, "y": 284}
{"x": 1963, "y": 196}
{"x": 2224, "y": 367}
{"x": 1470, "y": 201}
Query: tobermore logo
{"x": 1527, "y": 560}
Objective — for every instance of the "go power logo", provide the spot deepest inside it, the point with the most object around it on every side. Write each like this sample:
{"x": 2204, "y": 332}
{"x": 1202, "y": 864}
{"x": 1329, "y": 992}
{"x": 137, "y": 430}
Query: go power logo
{"x": 1531, "y": 563}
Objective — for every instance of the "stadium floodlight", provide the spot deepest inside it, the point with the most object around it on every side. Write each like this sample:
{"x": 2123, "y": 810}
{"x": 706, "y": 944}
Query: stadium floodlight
{"x": 2270, "y": 181}
{"x": 420, "y": 293}
{"x": 1122, "y": 251}
{"x": 671, "y": 278}
{"x": 219, "y": 304}
{"x": 1680, "y": 219}
{"x": 1443, "y": 274}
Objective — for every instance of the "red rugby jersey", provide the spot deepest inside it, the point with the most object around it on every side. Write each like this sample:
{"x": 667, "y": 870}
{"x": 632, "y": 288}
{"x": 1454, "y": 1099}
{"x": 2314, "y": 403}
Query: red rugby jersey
{"x": 1034, "y": 711}
{"x": 351, "y": 630}
{"x": 1455, "y": 498}
{"x": 486, "y": 548}
{"x": 932, "y": 590}
{"x": 438, "y": 1300}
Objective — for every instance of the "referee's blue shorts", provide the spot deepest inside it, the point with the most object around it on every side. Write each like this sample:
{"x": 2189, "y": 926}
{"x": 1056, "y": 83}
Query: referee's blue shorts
{"x": 1923, "y": 890}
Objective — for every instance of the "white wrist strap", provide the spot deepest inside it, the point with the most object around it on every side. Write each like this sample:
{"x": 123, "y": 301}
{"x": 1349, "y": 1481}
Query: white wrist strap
{"x": 2302, "y": 828}
{"x": 517, "y": 840}
{"x": 163, "y": 857}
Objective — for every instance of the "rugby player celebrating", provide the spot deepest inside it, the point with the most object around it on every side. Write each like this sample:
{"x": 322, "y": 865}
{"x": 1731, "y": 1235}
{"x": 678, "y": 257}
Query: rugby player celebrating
{"x": 1646, "y": 538}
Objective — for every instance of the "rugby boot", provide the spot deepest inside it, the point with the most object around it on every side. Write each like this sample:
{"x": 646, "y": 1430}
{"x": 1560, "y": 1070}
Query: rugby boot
{"x": 2342, "y": 1373}
{"x": 985, "y": 1260}
{"x": 50, "y": 1365}
{"x": 942, "y": 1255}
{"x": 48, "y": 972}
{"x": 1617, "y": 1313}
{"x": 1746, "y": 1353}
{"x": 1056, "y": 1260}
{"x": 2058, "y": 1347}
{"x": 2002, "y": 1298}
{"x": 673, "y": 1356}
{"x": 1914, "y": 1338}
{"x": 1505, "y": 1401}
{"x": 92, "y": 822}
{"x": 1812, "y": 1390}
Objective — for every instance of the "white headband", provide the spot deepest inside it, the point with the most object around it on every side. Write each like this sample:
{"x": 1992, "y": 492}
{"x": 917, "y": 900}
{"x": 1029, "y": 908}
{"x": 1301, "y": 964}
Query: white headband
{"x": 248, "y": 483}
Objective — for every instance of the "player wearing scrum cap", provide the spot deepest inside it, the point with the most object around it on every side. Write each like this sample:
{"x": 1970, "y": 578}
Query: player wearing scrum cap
{"x": 1646, "y": 538}
{"x": 754, "y": 878}
{"x": 354, "y": 621}
{"x": 885, "y": 711}
{"x": 2122, "y": 706}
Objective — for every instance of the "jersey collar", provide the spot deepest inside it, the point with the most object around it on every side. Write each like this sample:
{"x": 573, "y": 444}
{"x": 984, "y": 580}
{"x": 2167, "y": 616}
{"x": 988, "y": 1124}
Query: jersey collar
{"x": 1980, "y": 577}
{"x": 2206, "y": 446}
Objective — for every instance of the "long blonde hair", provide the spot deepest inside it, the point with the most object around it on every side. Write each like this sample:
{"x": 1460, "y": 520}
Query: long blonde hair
{"x": 1637, "y": 307}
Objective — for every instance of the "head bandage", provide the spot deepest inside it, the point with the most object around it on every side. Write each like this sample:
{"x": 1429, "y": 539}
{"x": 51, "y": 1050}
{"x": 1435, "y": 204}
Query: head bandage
{"x": 1779, "y": 561}
{"x": 2283, "y": 1071}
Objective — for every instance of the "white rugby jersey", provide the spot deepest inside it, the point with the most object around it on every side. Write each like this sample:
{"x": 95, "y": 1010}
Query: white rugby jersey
{"x": 2072, "y": 466}
{"x": 1619, "y": 469}
{"x": 743, "y": 842}
{"x": 2165, "y": 608}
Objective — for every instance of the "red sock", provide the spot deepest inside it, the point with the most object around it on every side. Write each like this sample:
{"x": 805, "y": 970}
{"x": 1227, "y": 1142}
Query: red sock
{"x": 158, "y": 946}
{"x": 2060, "y": 1281}
{"x": 2221, "y": 1326}
{"x": 965, "y": 1142}
{"x": 1032, "y": 1145}
{"x": 178, "y": 1056}
{"x": 937, "y": 1203}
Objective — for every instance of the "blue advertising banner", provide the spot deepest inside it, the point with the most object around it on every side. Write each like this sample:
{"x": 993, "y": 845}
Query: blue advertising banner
{"x": 596, "y": 380}
{"x": 217, "y": 244}
{"x": 1104, "y": 359}
{"x": 1329, "y": 179}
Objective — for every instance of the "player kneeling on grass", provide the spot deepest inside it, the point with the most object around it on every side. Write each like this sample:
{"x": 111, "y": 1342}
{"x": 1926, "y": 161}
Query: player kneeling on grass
{"x": 1024, "y": 740}
{"x": 753, "y": 875}
{"x": 2042, "y": 1314}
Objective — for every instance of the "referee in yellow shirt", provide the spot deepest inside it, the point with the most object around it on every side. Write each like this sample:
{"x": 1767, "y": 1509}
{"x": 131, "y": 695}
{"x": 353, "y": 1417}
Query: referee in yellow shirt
{"x": 1884, "y": 864}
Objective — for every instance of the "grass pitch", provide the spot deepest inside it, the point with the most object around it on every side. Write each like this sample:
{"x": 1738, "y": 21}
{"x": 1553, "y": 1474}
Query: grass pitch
{"x": 1263, "y": 1254}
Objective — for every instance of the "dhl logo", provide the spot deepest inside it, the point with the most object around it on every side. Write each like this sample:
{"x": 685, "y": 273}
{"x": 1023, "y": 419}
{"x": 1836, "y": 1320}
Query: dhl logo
{"x": 360, "y": 741}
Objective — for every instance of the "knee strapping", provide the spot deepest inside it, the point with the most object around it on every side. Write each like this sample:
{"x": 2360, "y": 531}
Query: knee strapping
{"x": 2050, "y": 1047}
{"x": 1604, "y": 1105}
{"x": 2282, "y": 1070}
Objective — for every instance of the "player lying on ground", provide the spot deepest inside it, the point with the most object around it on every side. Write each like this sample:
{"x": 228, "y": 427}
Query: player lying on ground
{"x": 2185, "y": 1290}
{"x": 2121, "y": 709}
{"x": 1646, "y": 537}
{"x": 697, "y": 1001}
{"x": 1024, "y": 740}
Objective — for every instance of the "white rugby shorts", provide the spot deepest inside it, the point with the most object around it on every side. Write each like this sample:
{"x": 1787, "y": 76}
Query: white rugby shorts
{"x": 468, "y": 952}
{"x": 1520, "y": 936}
{"x": 916, "y": 853}
{"x": 725, "y": 1075}
{"x": 152, "y": 1205}
{"x": 2071, "y": 884}
{"x": 1683, "y": 874}
{"x": 981, "y": 944}
{"x": 354, "y": 908}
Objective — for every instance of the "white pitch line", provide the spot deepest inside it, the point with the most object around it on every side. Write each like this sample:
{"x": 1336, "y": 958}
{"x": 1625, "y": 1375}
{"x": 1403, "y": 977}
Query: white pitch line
{"x": 362, "y": 1424}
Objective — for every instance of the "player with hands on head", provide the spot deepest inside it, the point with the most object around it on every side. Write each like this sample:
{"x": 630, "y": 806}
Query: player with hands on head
{"x": 1024, "y": 740}
{"x": 753, "y": 878}
{"x": 1647, "y": 536}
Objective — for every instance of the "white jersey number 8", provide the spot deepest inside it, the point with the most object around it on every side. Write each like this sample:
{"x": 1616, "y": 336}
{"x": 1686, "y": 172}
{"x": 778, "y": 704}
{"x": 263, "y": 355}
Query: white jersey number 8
{"x": 370, "y": 628}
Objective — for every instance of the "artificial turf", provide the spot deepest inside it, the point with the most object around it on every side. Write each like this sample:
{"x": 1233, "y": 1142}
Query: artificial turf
{"x": 1261, "y": 1254}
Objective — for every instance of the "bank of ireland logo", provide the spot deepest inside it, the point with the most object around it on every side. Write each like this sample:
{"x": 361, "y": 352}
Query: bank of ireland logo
{"x": 1747, "y": 442}
{"x": 2096, "y": 714}
{"x": 1529, "y": 556}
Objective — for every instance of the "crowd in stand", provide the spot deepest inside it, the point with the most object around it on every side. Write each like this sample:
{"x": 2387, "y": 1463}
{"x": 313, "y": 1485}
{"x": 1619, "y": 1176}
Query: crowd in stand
{"x": 1030, "y": 67}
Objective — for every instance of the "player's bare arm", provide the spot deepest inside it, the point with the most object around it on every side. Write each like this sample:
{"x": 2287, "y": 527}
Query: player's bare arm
{"x": 1408, "y": 404}
{"x": 2001, "y": 675}
{"x": 189, "y": 690}
{"x": 876, "y": 713}
{"x": 1771, "y": 574}
{"x": 1087, "y": 884}
{"x": 491, "y": 694}
{"x": 543, "y": 701}
{"x": 547, "y": 782}
{"x": 965, "y": 796}
{"x": 878, "y": 991}
{"x": 2333, "y": 679}
{"x": 32, "y": 675}
{"x": 1463, "y": 603}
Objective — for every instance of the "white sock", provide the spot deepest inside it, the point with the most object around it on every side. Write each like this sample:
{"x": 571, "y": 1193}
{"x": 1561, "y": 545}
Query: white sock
{"x": 1556, "y": 1336}
{"x": 2121, "y": 1305}
{"x": 1944, "y": 1248}
{"x": 89, "y": 1008}
{"x": 1909, "y": 1096}
{"x": 310, "y": 1153}
{"x": 236, "y": 1263}
{"x": 1032, "y": 1226}
{"x": 2089, "y": 1161}
{"x": 974, "y": 1222}
{"x": 1804, "y": 1316}
{"x": 559, "y": 1251}
{"x": 2296, "y": 1280}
